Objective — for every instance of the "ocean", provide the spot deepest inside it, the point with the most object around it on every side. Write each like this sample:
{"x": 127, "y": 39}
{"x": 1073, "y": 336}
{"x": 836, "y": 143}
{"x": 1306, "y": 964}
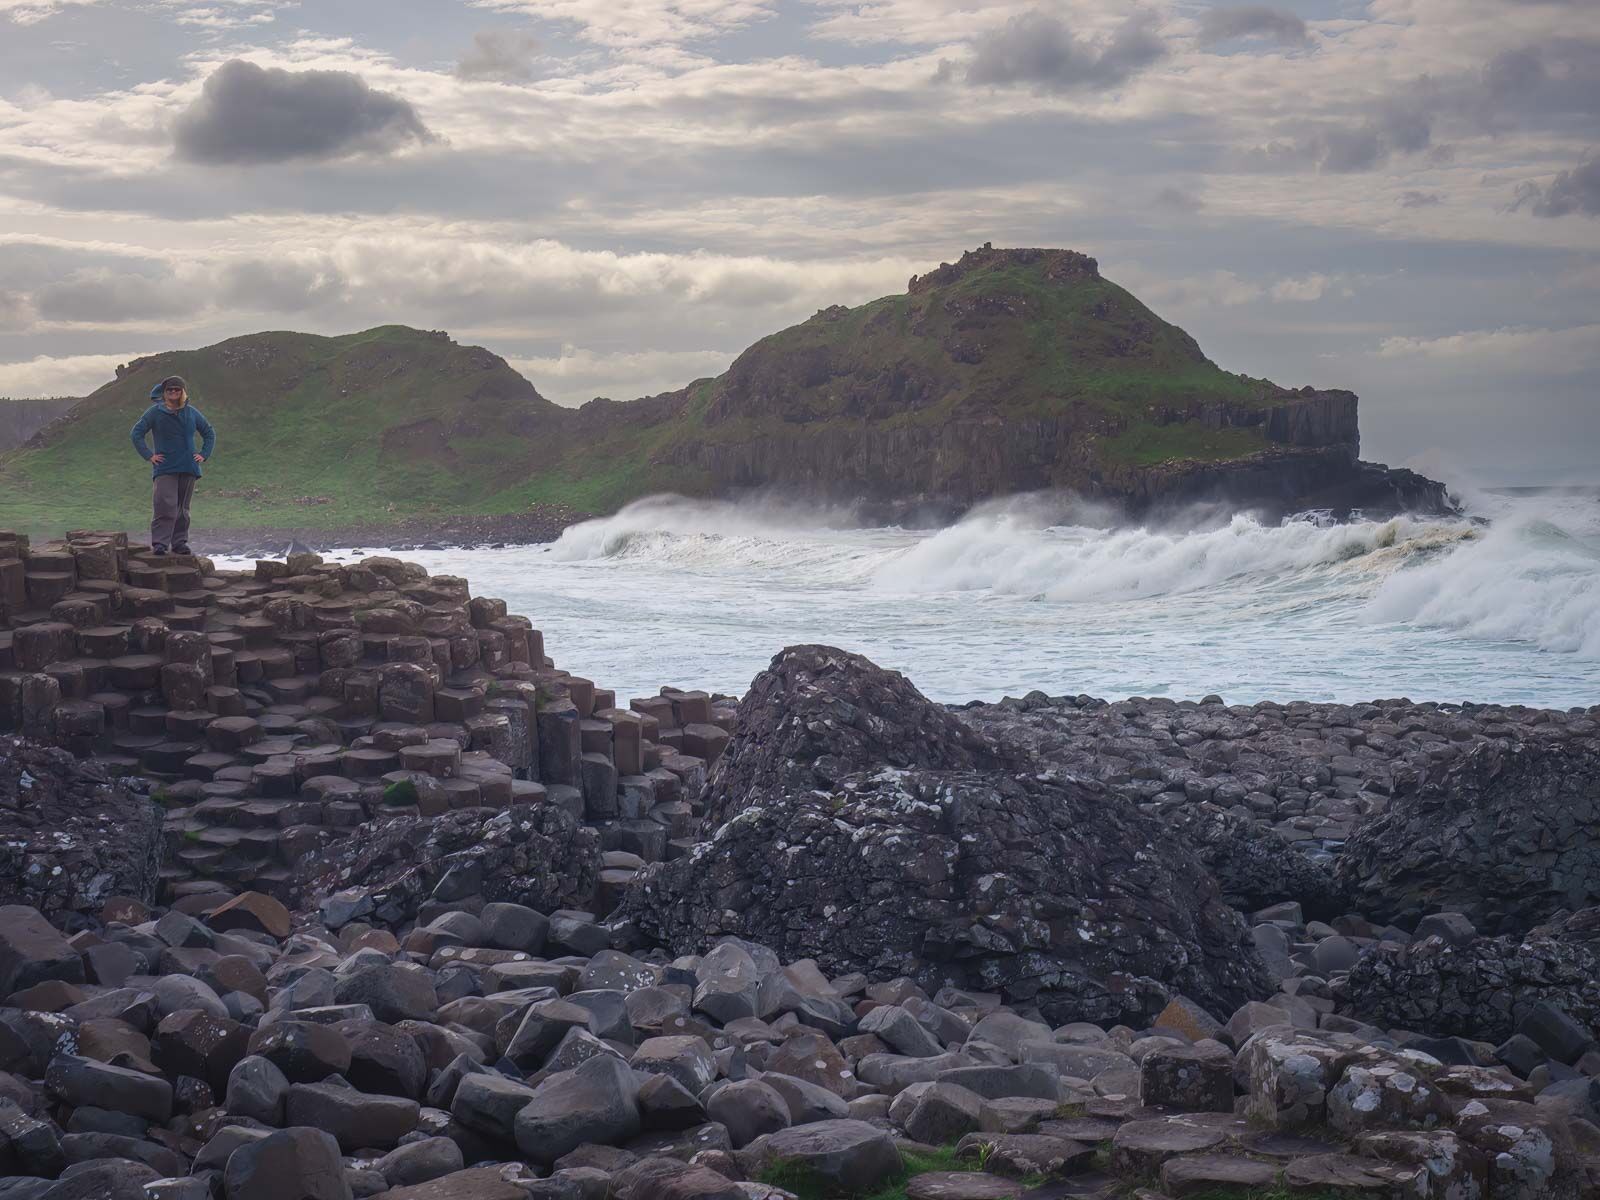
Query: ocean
{"x": 1502, "y": 605}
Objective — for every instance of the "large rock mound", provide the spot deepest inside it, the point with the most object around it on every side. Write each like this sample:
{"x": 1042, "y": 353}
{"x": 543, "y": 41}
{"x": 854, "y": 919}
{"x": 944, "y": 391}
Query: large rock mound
{"x": 70, "y": 835}
{"x": 536, "y": 855}
{"x": 817, "y": 713}
{"x": 1484, "y": 987}
{"x": 897, "y": 842}
{"x": 1508, "y": 835}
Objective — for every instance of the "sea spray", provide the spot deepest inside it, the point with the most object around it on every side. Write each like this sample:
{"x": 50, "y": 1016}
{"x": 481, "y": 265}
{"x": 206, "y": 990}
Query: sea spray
{"x": 1024, "y": 594}
{"x": 1526, "y": 579}
{"x": 1073, "y": 564}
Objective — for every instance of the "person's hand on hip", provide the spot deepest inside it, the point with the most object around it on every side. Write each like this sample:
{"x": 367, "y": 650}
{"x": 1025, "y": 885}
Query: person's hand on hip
{"x": 158, "y": 459}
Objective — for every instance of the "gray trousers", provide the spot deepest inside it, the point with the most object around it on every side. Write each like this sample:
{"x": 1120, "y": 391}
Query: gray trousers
{"x": 170, "y": 527}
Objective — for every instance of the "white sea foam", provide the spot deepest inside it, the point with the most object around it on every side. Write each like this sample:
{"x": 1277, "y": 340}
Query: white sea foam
{"x": 1528, "y": 579}
{"x": 1073, "y": 564}
{"x": 1033, "y": 593}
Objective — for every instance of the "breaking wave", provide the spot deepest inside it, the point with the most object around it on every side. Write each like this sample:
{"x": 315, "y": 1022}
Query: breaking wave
{"x": 1520, "y": 577}
{"x": 1528, "y": 579}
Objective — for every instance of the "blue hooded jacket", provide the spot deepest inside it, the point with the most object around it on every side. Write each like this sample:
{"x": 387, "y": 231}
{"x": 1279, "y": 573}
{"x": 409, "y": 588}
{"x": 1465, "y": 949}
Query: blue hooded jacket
{"x": 174, "y": 439}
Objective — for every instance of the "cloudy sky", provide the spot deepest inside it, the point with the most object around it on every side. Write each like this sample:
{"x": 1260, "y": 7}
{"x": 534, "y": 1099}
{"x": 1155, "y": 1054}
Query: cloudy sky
{"x": 1401, "y": 197}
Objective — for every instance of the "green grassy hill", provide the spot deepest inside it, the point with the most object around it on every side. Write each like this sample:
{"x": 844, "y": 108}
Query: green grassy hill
{"x": 1009, "y": 370}
{"x": 312, "y": 431}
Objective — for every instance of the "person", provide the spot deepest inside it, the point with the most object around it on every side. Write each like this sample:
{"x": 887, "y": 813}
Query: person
{"x": 174, "y": 462}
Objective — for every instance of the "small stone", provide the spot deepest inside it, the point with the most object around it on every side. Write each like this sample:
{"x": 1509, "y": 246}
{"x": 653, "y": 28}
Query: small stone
{"x": 1215, "y": 1174}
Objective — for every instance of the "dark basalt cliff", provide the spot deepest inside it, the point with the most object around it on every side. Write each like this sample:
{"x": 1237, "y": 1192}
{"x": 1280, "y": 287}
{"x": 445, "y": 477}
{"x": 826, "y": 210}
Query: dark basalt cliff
{"x": 1009, "y": 371}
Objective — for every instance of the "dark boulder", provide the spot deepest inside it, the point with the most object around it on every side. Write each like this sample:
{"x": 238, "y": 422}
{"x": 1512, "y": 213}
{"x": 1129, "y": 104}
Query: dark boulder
{"x": 1255, "y": 865}
{"x": 976, "y": 872}
{"x": 1508, "y": 835}
{"x": 817, "y": 714}
{"x": 1484, "y": 989}
{"x": 71, "y": 836}
{"x": 536, "y": 855}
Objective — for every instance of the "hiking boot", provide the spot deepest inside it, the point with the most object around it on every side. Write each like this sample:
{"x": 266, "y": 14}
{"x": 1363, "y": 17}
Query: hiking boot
{"x": 183, "y": 549}
{"x": 158, "y": 550}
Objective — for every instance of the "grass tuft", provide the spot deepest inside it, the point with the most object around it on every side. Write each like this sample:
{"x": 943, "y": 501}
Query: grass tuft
{"x": 800, "y": 1180}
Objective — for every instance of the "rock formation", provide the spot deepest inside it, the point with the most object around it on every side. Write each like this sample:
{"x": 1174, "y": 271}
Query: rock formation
{"x": 1479, "y": 987}
{"x": 70, "y": 835}
{"x": 1508, "y": 835}
{"x": 865, "y": 827}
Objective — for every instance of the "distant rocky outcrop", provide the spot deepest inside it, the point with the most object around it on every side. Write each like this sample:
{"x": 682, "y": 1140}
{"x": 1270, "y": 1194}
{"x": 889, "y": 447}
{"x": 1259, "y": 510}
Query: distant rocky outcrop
{"x": 21, "y": 419}
{"x": 1508, "y": 835}
{"x": 866, "y": 828}
{"x": 1021, "y": 370}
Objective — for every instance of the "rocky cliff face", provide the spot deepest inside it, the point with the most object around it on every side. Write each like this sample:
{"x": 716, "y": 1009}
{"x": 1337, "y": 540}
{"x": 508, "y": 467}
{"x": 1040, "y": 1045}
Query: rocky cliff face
{"x": 1011, "y": 371}
{"x": 21, "y": 419}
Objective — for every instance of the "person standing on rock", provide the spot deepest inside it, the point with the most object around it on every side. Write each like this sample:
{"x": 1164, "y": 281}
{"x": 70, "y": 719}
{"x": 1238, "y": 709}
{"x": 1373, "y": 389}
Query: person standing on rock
{"x": 174, "y": 463}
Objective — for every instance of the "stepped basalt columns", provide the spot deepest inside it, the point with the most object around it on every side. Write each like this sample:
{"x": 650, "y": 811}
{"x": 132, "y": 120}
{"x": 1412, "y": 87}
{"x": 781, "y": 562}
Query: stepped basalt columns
{"x": 274, "y": 711}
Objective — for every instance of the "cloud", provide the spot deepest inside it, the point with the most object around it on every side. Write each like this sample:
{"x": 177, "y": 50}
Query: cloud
{"x": 1218, "y": 287}
{"x": 505, "y": 55}
{"x": 280, "y": 285}
{"x": 16, "y": 312}
{"x": 579, "y": 374}
{"x": 1506, "y": 351}
{"x": 1038, "y": 50}
{"x": 102, "y": 296}
{"x": 247, "y": 114}
{"x": 1178, "y": 200}
{"x": 1420, "y": 199}
{"x": 1554, "y": 78}
{"x": 641, "y": 23}
{"x": 69, "y": 375}
{"x": 226, "y": 14}
{"x": 1574, "y": 191}
{"x": 1250, "y": 21}
{"x": 1401, "y": 124}
{"x": 29, "y": 12}
{"x": 1307, "y": 288}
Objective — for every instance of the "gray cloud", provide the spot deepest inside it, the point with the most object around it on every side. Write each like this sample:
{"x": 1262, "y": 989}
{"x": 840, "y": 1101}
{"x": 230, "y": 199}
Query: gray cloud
{"x": 16, "y": 311}
{"x": 1178, "y": 200}
{"x": 249, "y": 114}
{"x": 1251, "y": 20}
{"x": 1401, "y": 125}
{"x": 1037, "y": 49}
{"x": 1559, "y": 78}
{"x": 1574, "y": 191}
{"x": 1420, "y": 199}
{"x": 112, "y": 297}
{"x": 500, "y": 54}
{"x": 280, "y": 286}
